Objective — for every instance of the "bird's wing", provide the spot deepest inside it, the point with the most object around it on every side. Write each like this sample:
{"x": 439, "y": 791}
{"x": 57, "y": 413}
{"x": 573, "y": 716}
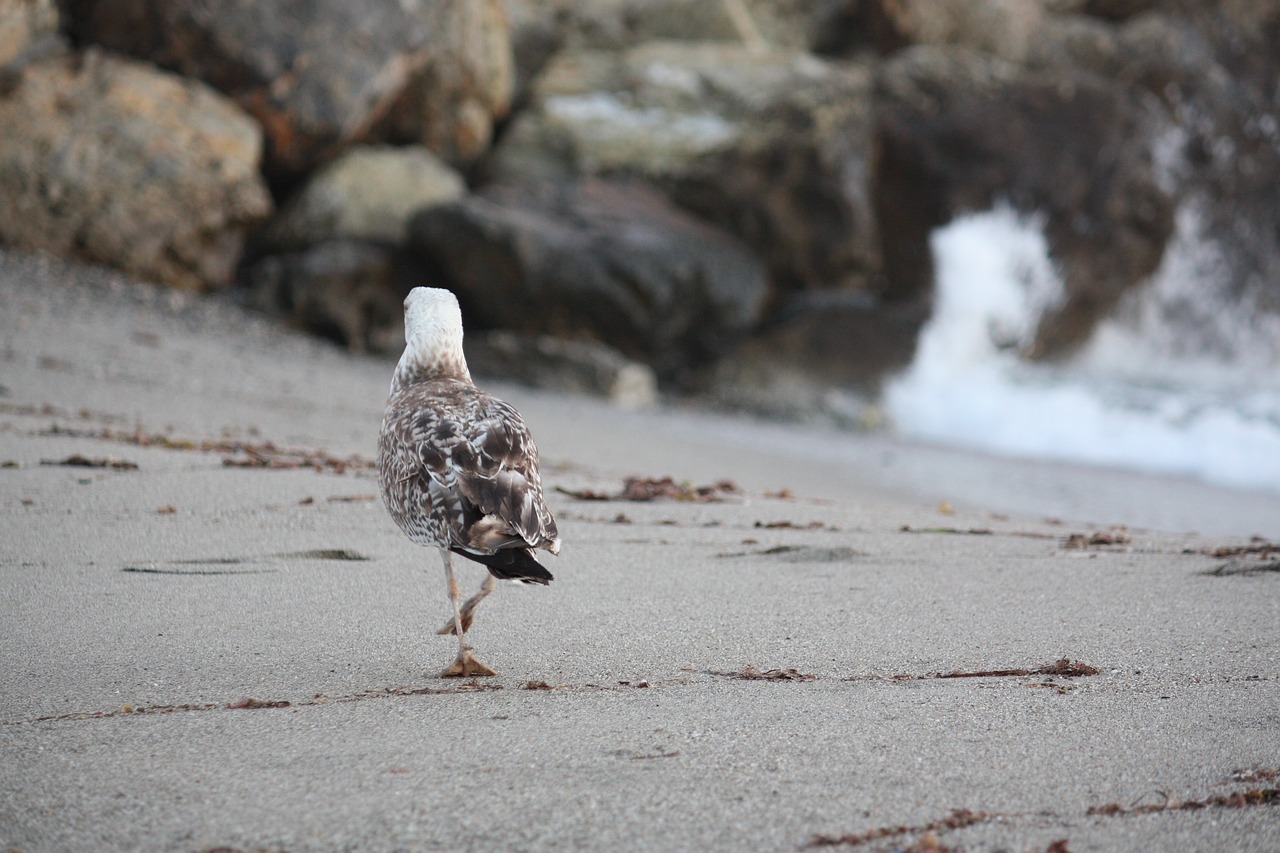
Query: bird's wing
{"x": 477, "y": 466}
{"x": 496, "y": 466}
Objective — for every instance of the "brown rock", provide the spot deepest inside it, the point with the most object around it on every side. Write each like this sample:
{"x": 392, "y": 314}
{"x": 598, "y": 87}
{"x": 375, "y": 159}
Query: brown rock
{"x": 113, "y": 161}
{"x": 437, "y": 71}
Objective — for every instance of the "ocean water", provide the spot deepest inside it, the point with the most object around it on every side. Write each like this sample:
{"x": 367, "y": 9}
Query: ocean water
{"x": 1183, "y": 379}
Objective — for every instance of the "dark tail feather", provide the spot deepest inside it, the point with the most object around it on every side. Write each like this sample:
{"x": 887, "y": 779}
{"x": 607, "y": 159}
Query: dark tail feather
{"x": 515, "y": 564}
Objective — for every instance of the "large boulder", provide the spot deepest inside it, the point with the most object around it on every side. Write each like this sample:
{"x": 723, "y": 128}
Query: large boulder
{"x": 598, "y": 261}
{"x": 960, "y": 131}
{"x": 368, "y": 193}
{"x": 772, "y": 146}
{"x": 114, "y": 161}
{"x": 320, "y": 74}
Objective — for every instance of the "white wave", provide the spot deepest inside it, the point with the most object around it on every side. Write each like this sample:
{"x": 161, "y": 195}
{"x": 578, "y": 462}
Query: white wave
{"x": 1183, "y": 379}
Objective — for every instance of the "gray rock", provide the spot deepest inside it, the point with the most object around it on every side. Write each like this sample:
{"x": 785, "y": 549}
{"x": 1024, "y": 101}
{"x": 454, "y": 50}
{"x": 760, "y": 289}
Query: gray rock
{"x": 773, "y": 147}
{"x": 113, "y": 161}
{"x": 597, "y": 261}
{"x": 345, "y": 290}
{"x": 577, "y": 367}
{"x": 961, "y": 131}
{"x": 368, "y": 193}
{"x": 321, "y": 74}
{"x": 826, "y": 355}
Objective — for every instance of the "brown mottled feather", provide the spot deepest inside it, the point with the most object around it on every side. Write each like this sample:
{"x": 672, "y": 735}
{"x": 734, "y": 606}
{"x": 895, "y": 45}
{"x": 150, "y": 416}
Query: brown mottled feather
{"x": 459, "y": 470}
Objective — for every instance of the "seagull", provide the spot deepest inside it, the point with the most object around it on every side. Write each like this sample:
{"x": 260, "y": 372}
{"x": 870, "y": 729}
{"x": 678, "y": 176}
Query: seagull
{"x": 458, "y": 467}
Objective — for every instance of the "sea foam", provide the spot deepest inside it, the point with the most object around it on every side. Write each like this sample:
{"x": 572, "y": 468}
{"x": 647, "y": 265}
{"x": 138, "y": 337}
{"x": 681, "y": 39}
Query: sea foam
{"x": 1183, "y": 379}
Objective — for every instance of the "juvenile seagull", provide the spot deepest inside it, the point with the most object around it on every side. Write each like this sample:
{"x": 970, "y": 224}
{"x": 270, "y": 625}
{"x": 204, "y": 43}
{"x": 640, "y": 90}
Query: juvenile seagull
{"x": 458, "y": 467}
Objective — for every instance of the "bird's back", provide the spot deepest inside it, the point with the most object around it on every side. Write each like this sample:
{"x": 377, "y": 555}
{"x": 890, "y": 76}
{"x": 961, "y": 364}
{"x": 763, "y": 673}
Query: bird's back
{"x": 459, "y": 470}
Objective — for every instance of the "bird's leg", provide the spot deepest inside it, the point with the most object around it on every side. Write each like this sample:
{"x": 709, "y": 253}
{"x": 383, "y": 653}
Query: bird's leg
{"x": 468, "y": 609}
{"x": 465, "y": 664}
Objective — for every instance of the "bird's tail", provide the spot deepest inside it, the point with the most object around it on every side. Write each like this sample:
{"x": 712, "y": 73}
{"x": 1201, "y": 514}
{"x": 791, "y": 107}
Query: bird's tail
{"x": 513, "y": 564}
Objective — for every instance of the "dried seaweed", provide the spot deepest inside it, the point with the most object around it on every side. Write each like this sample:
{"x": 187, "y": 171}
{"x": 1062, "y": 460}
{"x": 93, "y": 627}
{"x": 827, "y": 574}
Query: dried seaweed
{"x": 791, "y": 525}
{"x": 1234, "y": 800}
{"x": 1098, "y": 539}
{"x": 961, "y": 818}
{"x": 250, "y": 702}
{"x": 971, "y": 531}
{"x": 1259, "y": 548}
{"x": 957, "y": 819}
{"x": 77, "y": 460}
{"x": 238, "y": 454}
{"x": 750, "y": 673}
{"x": 641, "y": 489}
{"x": 1062, "y": 666}
{"x": 1243, "y": 567}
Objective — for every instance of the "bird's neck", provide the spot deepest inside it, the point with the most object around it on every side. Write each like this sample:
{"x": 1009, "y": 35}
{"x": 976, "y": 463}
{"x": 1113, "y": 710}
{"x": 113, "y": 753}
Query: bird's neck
{"x": 442, "y": 360}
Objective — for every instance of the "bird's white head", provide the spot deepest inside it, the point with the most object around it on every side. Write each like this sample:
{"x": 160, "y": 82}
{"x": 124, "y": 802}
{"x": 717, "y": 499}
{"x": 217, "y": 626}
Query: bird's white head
{"x": 433, "y": 338}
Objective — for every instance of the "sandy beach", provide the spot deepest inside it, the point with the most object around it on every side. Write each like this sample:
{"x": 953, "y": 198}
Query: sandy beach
{"x": 214, "y": 637}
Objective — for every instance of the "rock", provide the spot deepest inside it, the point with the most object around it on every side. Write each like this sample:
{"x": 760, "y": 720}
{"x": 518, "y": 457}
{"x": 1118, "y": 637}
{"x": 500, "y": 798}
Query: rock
{"x": 1117, "y": 10}
{"x": 1004, "y": 28}
{"x": 1215, "y": 67}
{"x": 28, "y": 30}
{"x": 597, "y": 261}
{"x": 618, "y": 24}
{"x": 960, "y": 131}
{"x": 827, "y": 354}
{"x": 1075, "y": 41}
{"x": 575, "y": 367}
{"x": 435, "y": 71}
{"x": 113, "y": 161}
{"x": 773, "y": 147}
{"x": 368, "y": 193}
{"x": 467, "y": 84}
{"x": 346, "y": 290}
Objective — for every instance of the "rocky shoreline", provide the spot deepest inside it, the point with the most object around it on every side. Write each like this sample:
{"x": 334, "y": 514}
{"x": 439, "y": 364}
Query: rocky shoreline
{"x": 732, "y": 198}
